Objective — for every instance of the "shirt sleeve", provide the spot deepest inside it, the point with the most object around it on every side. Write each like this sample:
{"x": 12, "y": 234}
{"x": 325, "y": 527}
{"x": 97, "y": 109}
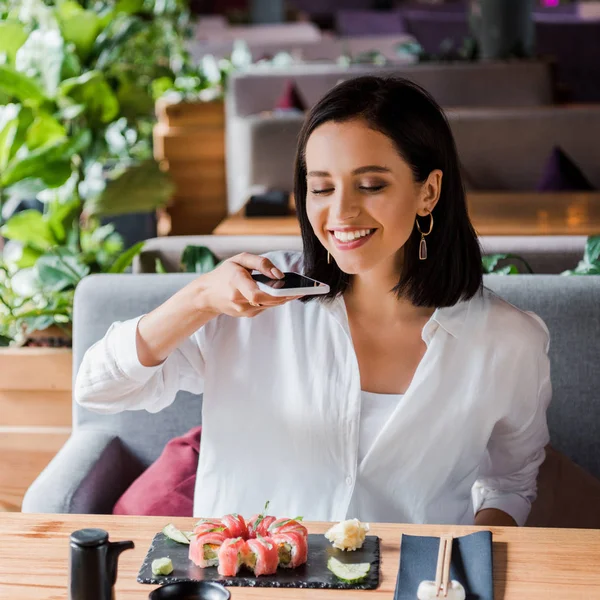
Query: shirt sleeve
{"x": 111, "y": 378}
{"x": 508, "y": 473}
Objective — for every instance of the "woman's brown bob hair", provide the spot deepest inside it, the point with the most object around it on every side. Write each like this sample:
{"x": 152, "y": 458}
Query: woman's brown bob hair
{"x": 416, "y": 124}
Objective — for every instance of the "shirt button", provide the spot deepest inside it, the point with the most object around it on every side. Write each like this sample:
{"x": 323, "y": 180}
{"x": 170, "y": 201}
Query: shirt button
{"x": 349, "y": 480}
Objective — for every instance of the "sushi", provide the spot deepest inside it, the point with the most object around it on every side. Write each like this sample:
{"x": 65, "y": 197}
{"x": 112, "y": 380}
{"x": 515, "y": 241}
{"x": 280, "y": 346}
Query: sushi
{"x": 231, "y": 556}
{"x": 209, "y": 526}
{"x": 235, "y": 525}
{"x": 259, "y": 525}
{"x": 204, "y": 548}
{"x": 262, "y": 556}
{"x": 285, "y": 526}
{"x": 292, "y": 548}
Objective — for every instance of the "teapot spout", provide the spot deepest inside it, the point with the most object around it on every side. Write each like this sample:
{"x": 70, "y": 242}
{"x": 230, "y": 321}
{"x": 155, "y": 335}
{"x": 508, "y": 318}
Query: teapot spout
{"x": 112, "y": 558}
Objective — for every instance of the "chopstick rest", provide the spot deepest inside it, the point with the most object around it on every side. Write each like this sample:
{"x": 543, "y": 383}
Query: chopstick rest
{"x": 442, "y": 587}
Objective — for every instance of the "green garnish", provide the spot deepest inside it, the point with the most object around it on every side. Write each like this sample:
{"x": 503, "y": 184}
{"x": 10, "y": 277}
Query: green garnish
{"x": 162, "y": 566}
{"x": 175, "y": 534}
{"x": 263, "y": 541}
{"x": 350, "y": 573}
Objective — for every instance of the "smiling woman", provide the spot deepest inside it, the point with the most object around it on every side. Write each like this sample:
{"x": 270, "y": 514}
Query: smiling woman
{"x": 386, "y": 400}
{"x": 376, "y": 162}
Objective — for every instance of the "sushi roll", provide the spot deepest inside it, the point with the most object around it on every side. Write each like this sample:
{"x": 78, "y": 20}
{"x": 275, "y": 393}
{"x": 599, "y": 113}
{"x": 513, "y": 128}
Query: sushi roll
{"x": 204, "y": 548}
{"x": 287, "y": 525}
{"x": 292, "y": 548}
{"x": 259, "y": 525}
{"x": 262, "y": 556}
{"x": 209, "y": 526}
{"x": 235, "y": 525}
{"x": 231, "y": 554}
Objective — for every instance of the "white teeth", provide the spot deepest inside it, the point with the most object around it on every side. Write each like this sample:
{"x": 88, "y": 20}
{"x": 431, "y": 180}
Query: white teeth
{"x": 349, "y": 236}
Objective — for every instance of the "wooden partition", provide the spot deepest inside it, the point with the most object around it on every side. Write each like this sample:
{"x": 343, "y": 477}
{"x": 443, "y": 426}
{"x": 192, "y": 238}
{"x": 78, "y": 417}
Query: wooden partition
{"x": 35, "y": 415}
{"x": 189, "y": 141}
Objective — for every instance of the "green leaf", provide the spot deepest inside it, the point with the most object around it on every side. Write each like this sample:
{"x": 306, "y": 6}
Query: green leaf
{"x": 60, "y": 270}
{"x": 19, "y": 86}
{"x": 29, "y": 227}
{"x": 158, "y": 266}
{"x": 61, "y": 217}
{"x": 44, "y": 130}
{"x": 130, "y": 7}
{"x": 9, "y": 125}
{"x": 490, "y": 261}
{"x": 139, "y": 188}
{"x": 78, "y": 26}
{"x": 92, "y": 91}
{"x": 4, "y": 341}
{"x": 507, "y": 270}
{"x": 198, "y": 259}
{"x": 12, "y": 37}
{"x": 134, "y": 100}
{"x": 592, "y": 250}
{"x": 126, "y": 258}
{"x": 42, "y": 161}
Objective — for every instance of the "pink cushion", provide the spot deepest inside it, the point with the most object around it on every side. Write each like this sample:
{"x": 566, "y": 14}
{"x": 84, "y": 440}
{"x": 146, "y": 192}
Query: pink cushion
{"x": 166, "y": 487}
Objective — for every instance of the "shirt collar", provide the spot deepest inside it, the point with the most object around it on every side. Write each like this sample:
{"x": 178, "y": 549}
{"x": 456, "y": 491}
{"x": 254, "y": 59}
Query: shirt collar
{"x": 450, "y": 318}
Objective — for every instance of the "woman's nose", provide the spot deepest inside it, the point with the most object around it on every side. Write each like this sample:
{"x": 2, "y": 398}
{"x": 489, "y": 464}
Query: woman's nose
{"x": 344, "y": 207}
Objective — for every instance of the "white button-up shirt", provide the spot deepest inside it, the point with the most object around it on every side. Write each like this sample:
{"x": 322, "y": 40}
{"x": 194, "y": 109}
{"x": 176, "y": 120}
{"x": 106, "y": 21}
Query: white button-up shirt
{"x": 282, "y": 403}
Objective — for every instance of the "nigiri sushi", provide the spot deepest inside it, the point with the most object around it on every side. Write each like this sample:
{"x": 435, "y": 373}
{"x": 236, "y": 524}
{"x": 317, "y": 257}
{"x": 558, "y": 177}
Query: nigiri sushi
{"x": 204, "y": 548}
{"x": 262, "y": 556}
{"x": 292, "y": 548}
{"x": 231, "y": 555}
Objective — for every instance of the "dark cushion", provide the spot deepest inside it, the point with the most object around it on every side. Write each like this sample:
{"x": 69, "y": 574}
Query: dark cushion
{"x": 562, "y": 174}
{"x": 291, "y": 98}
{"x": 166, "y": 487}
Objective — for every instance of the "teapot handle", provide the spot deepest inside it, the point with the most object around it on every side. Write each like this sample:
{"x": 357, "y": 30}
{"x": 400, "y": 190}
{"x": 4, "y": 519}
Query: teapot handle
{"x": 114, "y": 551}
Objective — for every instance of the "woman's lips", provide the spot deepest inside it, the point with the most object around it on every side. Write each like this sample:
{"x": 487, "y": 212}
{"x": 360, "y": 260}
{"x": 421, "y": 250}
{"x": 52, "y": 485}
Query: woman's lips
{"x": 354, "y": 243}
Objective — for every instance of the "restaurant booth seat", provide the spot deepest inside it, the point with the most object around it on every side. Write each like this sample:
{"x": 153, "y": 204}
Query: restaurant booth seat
{"x": 105, "y": 453}
{"x": 545, "y": 254}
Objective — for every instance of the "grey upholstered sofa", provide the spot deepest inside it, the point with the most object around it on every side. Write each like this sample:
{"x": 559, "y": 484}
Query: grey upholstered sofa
{"x": 547, "y": 255}
{"x": 500, "y": 148}
{"x": 106, "y": 453}
{"x": 250, "y": 93}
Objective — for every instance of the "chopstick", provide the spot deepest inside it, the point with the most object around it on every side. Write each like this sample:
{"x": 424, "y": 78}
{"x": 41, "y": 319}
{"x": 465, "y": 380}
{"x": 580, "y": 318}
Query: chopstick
{"x": 442, "y": 574}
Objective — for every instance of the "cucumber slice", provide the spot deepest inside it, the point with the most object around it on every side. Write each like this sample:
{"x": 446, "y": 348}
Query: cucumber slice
{"x": 350, "y": 573}
{"x": 188, "y": 534}
{"x": 162, "y": 566}
{"x": 174, "y": 534}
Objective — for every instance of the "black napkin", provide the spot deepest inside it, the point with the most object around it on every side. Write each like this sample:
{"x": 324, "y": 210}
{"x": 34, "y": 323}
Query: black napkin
{"x": 471, "y": 565}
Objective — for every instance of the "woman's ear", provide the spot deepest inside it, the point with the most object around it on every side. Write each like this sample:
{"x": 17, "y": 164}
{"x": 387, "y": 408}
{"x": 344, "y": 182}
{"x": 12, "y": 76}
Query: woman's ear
{"x": 430, "y": 192}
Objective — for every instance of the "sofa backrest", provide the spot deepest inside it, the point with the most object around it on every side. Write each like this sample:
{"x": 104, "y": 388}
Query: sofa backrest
{"x": 500, "y": 149}
{"x": 569, "y": 306}
{"x": 521, "y": 83}
{"x": 546, "y": 254}
{"x": 506, "y": 149}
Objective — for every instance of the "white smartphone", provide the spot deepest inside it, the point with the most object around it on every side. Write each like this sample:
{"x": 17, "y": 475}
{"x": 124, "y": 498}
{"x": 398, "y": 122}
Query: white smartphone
{"x": 293, "y": 284}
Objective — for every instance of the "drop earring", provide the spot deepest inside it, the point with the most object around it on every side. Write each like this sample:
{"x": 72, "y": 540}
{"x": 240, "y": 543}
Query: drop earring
{"x": 328, "y": 258}
{"x": 423, "y": 243}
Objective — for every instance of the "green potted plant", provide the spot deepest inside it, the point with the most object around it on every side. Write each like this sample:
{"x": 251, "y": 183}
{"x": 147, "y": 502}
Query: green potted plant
{"x": 78, "y": 82}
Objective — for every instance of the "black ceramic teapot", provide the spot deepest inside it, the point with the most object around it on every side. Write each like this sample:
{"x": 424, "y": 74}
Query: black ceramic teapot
{"x": 93, "y": 564}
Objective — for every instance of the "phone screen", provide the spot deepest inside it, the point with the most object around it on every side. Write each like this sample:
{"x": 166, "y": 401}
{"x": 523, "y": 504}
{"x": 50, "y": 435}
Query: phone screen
{"x": 289, "y": 282}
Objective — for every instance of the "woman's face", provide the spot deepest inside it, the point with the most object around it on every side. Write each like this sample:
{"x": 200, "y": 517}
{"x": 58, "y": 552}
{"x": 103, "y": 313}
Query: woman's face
{"x": 361, "y": 199}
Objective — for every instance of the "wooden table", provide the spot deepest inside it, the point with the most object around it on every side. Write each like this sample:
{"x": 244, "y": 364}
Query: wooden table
{"x": 494, "y": 213}
{"x": 529, "y": 564}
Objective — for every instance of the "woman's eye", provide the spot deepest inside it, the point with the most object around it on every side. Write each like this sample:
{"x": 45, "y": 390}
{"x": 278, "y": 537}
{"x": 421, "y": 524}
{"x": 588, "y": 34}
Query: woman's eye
{"x": 372, "y": 188}
{"x": 321, "y": 192}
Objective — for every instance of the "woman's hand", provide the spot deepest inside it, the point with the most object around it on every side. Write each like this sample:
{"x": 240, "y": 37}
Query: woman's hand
{"x": 230, "y": 289}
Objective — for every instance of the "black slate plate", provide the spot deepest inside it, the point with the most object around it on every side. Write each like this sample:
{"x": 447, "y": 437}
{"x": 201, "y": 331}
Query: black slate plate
{"x": 314, "y": 574}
